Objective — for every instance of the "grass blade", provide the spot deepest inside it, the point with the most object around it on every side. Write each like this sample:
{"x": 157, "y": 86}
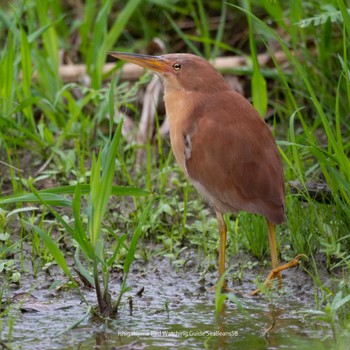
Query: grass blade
{"x": 120, "y": 23}
{"x": 182, "y": 35}
{"x": 53, "y": 249}
{"x": 259, "y": 91}
{"x": 53, "y": 196}
{"x": 46, "y": 198}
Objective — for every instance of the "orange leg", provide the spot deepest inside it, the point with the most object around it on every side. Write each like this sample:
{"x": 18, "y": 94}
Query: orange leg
{"x": 273, "y": 251}
{"x": 222, "y": 249}
{"x": 276, "y": 269}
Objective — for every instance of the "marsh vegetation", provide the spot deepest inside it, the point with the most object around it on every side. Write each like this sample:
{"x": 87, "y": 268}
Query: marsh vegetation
{"x": 100, "y": 231}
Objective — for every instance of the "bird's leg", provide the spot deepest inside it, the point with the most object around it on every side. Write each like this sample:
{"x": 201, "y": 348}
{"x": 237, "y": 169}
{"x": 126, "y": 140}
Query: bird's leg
{"x": 276, "y": 269}
{"x": 273, "y": 251}
{"x": 222, "y": 252}
{"x": 275, "y": 273}
{"x": 222, "y": 248}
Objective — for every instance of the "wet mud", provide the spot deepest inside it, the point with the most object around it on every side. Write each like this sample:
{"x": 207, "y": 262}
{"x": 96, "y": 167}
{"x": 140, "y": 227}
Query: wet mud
{"x": 168, "y": 307}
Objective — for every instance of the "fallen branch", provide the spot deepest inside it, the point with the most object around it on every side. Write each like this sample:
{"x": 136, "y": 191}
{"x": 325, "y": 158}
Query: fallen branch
{"x": 318, "y": 191}
{"x": 76, "y": 72}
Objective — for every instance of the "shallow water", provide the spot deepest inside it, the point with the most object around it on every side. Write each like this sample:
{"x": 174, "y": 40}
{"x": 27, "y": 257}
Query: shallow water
{"x": 174, "y": 312}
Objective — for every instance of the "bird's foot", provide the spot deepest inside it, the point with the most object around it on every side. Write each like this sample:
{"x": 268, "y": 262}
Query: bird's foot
{"x": 276, "y": 273}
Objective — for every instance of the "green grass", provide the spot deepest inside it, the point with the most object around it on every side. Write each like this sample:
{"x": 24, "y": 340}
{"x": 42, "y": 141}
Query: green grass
{"x": 55, "y": 137}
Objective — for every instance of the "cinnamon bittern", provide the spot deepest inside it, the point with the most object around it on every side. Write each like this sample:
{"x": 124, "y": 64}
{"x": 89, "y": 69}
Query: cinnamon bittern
{"x": 221, "y": 143}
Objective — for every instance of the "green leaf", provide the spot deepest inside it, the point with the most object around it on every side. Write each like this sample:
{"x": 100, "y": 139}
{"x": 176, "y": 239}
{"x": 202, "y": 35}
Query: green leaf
{"x": 35, "y": 35}
{"x": 219, "y": 296}
{"x": 53, "y": 196}
{"x": 116, "y": 250}
{"x": 98, "y": 41}
{"x": 101, "y": 186}
{"x": 79, "y": 233}
{"x": 182, "y": 35}
{"x": 338, "y": 303}
{"x": 259, "y": 91}
{"x": 82, "y": 270}
{"x": 121, "y": 21}
{"x": 47, "y": 198}
{"x": 53, "y": 249}
{"x": 132, "y": 249}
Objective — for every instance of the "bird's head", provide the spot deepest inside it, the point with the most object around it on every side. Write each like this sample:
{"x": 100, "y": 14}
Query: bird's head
{"x": 179, "y": 71}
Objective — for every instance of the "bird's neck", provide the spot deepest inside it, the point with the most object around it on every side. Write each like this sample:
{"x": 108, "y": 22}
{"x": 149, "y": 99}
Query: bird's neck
{"x": 180, "y": 106}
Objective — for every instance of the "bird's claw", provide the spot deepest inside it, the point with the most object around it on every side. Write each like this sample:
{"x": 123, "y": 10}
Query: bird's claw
{"x": 276, "y": 273}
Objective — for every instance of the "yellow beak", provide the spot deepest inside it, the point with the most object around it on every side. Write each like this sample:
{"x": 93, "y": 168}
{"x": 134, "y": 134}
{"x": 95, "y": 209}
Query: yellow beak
{"x": 154, "y": 63}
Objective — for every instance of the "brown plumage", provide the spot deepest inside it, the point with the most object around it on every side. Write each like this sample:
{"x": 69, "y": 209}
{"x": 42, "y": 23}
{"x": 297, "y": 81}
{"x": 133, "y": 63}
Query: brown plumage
{"x": 222, "y": 144}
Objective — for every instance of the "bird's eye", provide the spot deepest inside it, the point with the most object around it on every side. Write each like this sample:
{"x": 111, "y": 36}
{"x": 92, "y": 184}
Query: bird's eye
{"x": 177, "y": 66}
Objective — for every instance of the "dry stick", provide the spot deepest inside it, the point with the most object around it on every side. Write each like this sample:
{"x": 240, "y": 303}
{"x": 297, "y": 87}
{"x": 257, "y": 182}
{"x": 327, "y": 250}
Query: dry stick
{"x": 150, "y": 102}
{"x": 74, "y": 72}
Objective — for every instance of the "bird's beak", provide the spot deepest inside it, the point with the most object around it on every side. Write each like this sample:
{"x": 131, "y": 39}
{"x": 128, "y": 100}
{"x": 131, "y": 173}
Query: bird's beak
{"x": 155, "y": 63}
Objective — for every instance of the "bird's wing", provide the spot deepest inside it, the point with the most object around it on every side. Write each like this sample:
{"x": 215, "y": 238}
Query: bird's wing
{"x": 234, "y": 160}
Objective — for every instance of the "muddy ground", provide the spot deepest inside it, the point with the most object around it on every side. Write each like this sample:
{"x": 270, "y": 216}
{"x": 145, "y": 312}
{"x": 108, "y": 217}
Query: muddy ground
{"x": 175, "y": 311}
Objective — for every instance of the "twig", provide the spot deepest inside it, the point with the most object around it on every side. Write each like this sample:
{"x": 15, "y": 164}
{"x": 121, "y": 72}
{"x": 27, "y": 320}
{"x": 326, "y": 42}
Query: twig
{"x": 77, "y": 72}
{"x": 318, "y": 191}
{"x": 146, "y": 125}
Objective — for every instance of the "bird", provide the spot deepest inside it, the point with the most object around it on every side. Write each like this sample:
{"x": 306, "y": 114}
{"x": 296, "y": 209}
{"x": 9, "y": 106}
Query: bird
{"x": 223, "y": 145}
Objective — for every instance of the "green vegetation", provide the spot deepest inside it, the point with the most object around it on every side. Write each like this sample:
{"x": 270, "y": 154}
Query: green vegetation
{"x": 69, "y": 187}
